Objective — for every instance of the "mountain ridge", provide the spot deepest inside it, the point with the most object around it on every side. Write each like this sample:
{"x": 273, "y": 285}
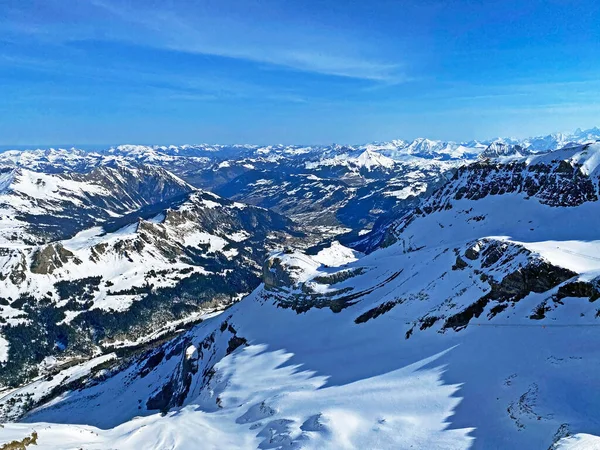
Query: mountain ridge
{"x": 418, "y": 146}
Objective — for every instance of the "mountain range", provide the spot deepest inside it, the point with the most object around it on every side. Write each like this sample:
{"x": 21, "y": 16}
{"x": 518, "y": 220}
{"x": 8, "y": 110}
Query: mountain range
{"x": 393, "y": 295}
{"x": 346, "y": 189}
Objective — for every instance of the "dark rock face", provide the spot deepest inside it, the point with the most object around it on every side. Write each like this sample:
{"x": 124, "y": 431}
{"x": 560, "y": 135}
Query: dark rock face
{"x": 275, "y": 274}
{"x": 493, "y": 253}
{"x": 174, "y": 392}
{"x": 559, "y": 184}
{"x": 304, "y": 299}
{"x": 162, "y": 399}
{"x": 538, "y": 277}
{"x": 376, "y": 312}
{"x": 472, "y": 254}
{"x": 234, "y": 343}
{"x": 195, "y": 366}
{"x": 579, "y": 289}
{"x": 18, "y": 273}
{"x": 459, "y": 264}
{"x": 462, "y": 319}
{"x": 50, "y": 258}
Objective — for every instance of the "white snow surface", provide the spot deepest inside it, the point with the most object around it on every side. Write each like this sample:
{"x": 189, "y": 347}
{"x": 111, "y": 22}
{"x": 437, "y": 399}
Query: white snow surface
{"x": 579, "y": 441}
{"x": 336, "y": 255}
{"x": 370, "y": 159}
{"x": 4, "y": 346}
{"x": 587, "y": 156}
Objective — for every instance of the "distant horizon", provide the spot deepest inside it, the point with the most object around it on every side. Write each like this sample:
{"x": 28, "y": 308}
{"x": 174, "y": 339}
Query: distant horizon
{"x": 97, "y": 147}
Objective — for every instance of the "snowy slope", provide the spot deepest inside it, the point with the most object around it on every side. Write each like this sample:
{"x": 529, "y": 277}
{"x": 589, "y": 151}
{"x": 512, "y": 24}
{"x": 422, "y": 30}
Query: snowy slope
{"x": 39, "y": 207}
{"x": 474, "y": 327}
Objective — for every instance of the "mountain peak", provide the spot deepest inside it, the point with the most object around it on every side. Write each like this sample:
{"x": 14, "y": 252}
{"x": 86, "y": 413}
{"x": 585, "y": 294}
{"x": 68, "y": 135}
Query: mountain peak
{"x": 371, "y": 159}
{"x": 500, "y": 148}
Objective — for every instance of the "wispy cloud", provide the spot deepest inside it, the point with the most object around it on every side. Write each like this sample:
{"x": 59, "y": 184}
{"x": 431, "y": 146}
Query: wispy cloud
{"x": 139, "y": 84}
{"x": 218, "y": 32}
{"x": 223, "y": 29}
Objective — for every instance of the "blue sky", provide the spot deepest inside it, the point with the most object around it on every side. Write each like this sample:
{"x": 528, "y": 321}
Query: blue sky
{"x": 311, "y": 71}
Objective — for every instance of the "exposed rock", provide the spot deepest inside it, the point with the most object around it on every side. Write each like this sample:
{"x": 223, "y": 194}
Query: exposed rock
{"x": 462, "y": 319}
{"x": 376, "y": 312}
{"x": 162, "y": 400}
{"x": 48, "y": 259}
{"x": 427, "y": 322}
{"x": 538, "y": 277}
{"x": 175, "y": 391}
{"x": 287, "y": 269}
{"x": 459, "y": 264}
{"x": 234, "y": 343}
{"x": 22, "y": 444}
{"x": 540, "y": 311}
{"x": 472, "y": 253}
{"x": 275, "y": 274}
{"x": 18, "y": 273}
{"x": 499, "y": 148}
{"x": 559, "y": 183}
{"x": 579, "y": 289}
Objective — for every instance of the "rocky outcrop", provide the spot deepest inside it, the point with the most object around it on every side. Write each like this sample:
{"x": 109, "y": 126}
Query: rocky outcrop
{"x": 555, "y": 183}
{"x": 589, "y": 289}
{"x": 47, "y": 259}
{"x": 286, "y": 269}
{"x": 499, "y": 148}
{"x": 538, "y": 276}
{"x": 566, "y": 178}
{"x": 22, "y": 444}
{"x": 275, "y": 274}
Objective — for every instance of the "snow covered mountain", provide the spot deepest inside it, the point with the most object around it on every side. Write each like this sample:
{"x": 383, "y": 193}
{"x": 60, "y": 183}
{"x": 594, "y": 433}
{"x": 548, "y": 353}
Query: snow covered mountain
{"x": 204, "y": 154}
{"x": 500, "y": 148}
{"x": 563, "y": 178}
{"x": 343, "y": 195}
{"x": 560, "y": 140}
{"x": 470, "y": 324}
{"x": 114, "y": 255}
{"x": 355, "y": 187}
{"x": 38, "y": 207}
{"x": 343, "y": 188}
{"x": 51, "y": 160}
